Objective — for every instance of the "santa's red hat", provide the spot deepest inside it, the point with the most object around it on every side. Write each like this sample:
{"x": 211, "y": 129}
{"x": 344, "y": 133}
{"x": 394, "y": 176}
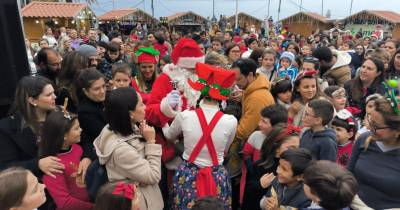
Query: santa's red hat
{"x": 187, "y": 53}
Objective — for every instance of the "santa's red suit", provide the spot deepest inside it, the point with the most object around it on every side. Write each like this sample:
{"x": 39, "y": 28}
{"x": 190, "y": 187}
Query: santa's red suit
{"x": 158, "y": 111}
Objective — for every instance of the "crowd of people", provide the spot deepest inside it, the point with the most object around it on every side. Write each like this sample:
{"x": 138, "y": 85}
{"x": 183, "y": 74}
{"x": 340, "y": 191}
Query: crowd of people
{"x": 204, "y": 120}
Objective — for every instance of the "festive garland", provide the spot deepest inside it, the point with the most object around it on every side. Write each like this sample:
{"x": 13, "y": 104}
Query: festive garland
{"x": 391, "y": 93}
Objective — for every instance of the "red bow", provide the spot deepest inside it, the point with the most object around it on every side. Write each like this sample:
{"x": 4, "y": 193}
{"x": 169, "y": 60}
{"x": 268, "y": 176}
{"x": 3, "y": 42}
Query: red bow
{"x": 127, "y": 190}
{"x": 291, "y": 129}
{"x": 310, "y": 73}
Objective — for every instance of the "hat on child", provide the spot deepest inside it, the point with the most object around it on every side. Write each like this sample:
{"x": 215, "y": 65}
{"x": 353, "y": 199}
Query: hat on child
{"x": 290, "y": 56}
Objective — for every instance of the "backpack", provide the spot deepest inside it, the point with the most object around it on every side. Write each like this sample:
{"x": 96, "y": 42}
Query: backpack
{"x": 96, "y": 176}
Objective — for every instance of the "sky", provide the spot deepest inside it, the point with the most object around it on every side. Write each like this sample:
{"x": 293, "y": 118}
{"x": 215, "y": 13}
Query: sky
{"x": 257, "y": 8}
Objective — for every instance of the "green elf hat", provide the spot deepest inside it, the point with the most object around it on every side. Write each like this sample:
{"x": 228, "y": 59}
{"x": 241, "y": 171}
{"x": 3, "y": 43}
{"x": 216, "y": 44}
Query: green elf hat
{"x": 213, "y": 82}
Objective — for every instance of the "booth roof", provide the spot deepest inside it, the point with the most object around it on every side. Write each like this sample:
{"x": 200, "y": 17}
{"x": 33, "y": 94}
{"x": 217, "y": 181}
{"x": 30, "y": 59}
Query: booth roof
{"x": 52, "y": 9}
{"x": 312, "y": 15}
{"x": 389, "y": 16}
{"x": 117, "y": 14}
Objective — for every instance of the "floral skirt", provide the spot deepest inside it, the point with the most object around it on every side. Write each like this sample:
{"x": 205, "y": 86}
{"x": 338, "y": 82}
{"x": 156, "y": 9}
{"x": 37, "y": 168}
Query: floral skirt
{"x": 184, "y": 193}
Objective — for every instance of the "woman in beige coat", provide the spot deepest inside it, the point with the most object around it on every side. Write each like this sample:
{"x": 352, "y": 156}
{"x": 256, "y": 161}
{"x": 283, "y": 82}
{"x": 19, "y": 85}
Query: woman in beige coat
{"x": 126, "y": 146}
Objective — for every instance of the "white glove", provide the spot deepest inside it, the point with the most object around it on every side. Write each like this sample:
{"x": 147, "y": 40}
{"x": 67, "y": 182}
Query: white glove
{"x": 173, "y": 98}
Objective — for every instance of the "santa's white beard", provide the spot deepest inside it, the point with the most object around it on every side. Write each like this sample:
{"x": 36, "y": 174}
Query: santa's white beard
{"x": 181, "y": 76}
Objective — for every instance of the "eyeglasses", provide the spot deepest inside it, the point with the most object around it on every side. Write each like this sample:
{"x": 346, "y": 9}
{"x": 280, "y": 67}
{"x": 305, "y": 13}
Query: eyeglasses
{"x": 372, "y": 124}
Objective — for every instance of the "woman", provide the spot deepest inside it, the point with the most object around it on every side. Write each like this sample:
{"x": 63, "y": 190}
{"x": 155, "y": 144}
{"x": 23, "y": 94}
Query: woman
{"x": 305, "y": 89}
{"x": 201, "y": 173}
{"x": 394, "y": 67}
{"x": 20, "y": 189}
{"x": 31, "y": 54}
{"x": 65, "y": 45}
{"x": 391, "y": 46}
{"x": 91, "y": 108}
{"x": 251, "y": 44}
{"x": 71, "y": 66}
{"x": 143, "y": 82}
{"x": 368, "y": 82}
{"x": 20, "y": 132}
{"x": 127, "y": 146}
{"x": 232, "y": 52}
{"x": 294, "y": 48}
{"x": 50, "y": 37}
{"x": 357, "y": 58}
{"x": 374, "y": 161}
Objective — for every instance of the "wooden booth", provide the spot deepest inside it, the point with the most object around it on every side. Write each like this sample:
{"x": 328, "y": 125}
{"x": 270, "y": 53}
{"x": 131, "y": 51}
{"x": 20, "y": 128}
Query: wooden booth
{"x": 370, "y": 21}
{"x": 305, "y": 23}
{"x": 37, "y": 16}
{"x": 127, "y": 16}
{"x": 189, "y": 21}
{"x": 245, "y": 21}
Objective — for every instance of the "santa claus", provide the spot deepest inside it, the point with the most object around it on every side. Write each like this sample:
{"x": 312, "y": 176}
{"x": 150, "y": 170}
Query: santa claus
{"x": 171, "y": 92}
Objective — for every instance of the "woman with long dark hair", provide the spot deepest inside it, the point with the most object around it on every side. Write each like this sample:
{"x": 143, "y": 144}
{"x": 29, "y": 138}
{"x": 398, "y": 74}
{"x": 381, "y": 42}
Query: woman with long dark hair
{"x": 71, "y": 66}
{"x": 368, "y": 82}
{"x": 127, "y": 146}
{"x": 21, "y": 131}
{"x": 394, "y": 67}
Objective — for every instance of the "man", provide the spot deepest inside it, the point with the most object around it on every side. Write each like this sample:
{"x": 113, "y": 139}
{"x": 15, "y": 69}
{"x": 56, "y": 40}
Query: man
{"x": 334, "y": 66}
{"x": 228, "y": 37}
{"x": 254, "y": 94}
{"x": 171, "y": 94}
{"x": 204, "y": 40}
{"x": 92, "y": 35}
{"x": 49, "y": 62}
{"x": 89, "y": 52}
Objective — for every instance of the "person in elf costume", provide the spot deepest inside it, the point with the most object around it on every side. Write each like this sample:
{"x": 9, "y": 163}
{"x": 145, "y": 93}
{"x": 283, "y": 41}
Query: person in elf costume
{"x": 170, "y": 95}
{"x": 207, "y": 135}
{"x": 147, "y": 74}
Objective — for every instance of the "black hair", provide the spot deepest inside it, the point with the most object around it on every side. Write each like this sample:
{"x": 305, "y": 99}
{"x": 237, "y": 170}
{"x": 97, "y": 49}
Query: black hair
{"x": 28, "y": 86}
{"x": 276, "y": 113}
{"x": 107, "y": 200}
{"x": 208, "y": 202}
{"x": 281, "y": 86}
{"x": 334, "y": 185}
{"x": 42, "y": 56}
{"x": 322, "y": 108}
{"x": 88, "y": 76}
{"x": 113, "y": 47}
{"x": 323, "y": 54}
{"x": 392, "y": 71}
{"x": 249, "y": 41}
{"x": 202, "y": 33}
{"x": 256, "y": 54}
{"x": 246, "y": 66}
{"x": 55, "y": 127}
{"x": 299, "y": 159}
{"x": 313, "y": 60}
{"x": 117, "y": 105}
{"x": 103, "y": 44}
{"x": 343, "y": 124}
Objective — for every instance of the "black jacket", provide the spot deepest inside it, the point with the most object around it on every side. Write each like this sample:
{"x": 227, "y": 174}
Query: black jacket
{"x": 18, "y": 146}
{"x": 92, "y": 120}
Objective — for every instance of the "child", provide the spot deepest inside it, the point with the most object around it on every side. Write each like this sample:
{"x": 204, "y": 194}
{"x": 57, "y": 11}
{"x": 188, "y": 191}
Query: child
{"x": 113, "y": 55}
{"x": 60, "y": 135}
{"x": 268, "y": 68}
{"x": 329, "y": 186}
{"x": 261, "y": 173}
{"x": 118, "y": 196}
{"x": 344, "y": 126}
{"x": 282, "y": 92}
{"x": 121, "y": 75}
{"x": 285, "y": 67}
{"x": 287, "y": 189}
{"x": 320, "y": 140}
{"x": 369, "y": 105}
{"x": 20, "y": 189}
{"x": 270, "y": 116}
{"x": 208, "y": 203}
